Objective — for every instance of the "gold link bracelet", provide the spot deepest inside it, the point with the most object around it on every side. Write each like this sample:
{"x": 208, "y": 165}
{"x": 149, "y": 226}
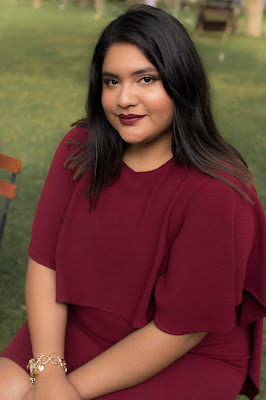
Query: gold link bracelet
{"x": 36, "y": 365}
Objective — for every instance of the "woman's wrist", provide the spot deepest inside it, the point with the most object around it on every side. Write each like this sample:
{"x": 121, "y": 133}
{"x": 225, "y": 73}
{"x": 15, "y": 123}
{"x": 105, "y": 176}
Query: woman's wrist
{"x": 46, "y": 365}
{"x": 53, "y": 386}
{"x": 50, "y": 377}
{"x": 50, "y": 370}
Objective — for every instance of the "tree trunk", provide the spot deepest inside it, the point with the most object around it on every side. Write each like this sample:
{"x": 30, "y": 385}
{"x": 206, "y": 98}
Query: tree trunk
{"x": 37, "y": 3}
{"x": 81, "y": 2}
{"x": 173, "y": 5}
{"x": 151, "y": 3}
{"x": 254, "y": 15}
{"x": 99, "y": 6}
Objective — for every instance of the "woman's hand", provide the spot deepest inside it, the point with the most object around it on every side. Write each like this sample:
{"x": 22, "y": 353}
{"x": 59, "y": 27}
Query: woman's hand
{"x": 52, "y": 387}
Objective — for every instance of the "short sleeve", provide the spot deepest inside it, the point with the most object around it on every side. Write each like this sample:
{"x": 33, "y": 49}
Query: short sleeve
{"x": 204, "y": 281}
{"x": 52, "y": 206}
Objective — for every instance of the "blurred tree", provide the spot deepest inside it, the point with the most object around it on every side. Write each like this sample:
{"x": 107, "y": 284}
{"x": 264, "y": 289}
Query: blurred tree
{"x": 173, "y": 4}
{"x": 99, "y": 6}
{"x": 254, "y": 14}
{"x": 82, "y": 2}
{"x": 37, "y": 3}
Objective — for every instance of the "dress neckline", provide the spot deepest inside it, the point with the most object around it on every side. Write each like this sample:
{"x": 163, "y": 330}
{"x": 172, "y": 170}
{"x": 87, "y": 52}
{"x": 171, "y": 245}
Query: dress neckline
{"x": 153, "y": 171}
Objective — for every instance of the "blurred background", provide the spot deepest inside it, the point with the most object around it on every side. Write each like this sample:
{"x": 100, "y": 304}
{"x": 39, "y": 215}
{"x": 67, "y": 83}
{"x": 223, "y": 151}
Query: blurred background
{"x": 45, "y": 50}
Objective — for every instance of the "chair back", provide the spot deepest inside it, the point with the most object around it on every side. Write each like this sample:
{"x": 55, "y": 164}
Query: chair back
{"x": 217, "y": 16}
{"x": 8, "y": 188}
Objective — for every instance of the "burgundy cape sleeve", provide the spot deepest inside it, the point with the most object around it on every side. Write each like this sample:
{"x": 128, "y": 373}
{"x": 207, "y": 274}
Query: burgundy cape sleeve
{"x": 53, "y": 204}
{"x": 216, "y": 275}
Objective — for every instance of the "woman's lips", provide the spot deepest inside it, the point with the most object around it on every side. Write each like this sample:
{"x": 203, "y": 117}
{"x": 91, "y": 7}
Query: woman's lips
{"x": 130, "y": 119}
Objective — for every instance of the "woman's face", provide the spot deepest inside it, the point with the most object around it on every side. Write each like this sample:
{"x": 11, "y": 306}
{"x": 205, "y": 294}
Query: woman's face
{"x": 133, "y": 96}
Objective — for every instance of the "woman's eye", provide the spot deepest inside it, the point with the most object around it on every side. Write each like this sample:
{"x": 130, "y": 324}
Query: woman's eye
{"x": 148, "y": 79}
{"x": 110, "y": 82}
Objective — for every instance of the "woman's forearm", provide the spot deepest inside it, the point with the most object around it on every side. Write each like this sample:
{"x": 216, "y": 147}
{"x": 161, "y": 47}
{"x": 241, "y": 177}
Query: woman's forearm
{"x": 46, "y": 318}
{"x": 131, "y": 361}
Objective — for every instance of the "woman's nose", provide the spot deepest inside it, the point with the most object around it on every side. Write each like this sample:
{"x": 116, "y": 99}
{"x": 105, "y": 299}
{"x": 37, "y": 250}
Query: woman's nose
{"x": 127, "y": 96}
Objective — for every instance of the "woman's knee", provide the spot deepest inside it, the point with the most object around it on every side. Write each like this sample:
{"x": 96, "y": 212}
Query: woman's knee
{"x": 14, "y": 381}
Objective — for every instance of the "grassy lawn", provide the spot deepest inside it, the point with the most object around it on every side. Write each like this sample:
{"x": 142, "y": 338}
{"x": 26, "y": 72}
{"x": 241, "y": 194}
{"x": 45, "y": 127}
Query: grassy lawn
{"x": 43, "y": 81}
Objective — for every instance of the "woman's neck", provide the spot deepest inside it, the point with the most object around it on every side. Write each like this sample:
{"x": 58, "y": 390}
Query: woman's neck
{"x": 142, "y": 159}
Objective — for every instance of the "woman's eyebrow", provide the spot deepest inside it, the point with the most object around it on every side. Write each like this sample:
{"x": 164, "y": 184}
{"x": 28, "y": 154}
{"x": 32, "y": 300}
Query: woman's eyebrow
{"x": 134, "y": 73}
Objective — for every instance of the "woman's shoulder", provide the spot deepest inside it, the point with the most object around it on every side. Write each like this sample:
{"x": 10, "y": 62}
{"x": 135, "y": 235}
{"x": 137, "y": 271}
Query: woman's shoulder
{"x": 76, "y": 134}
{"x": 70, "y": 143}
{"x": 205, "y": 192}
{"x": 206, "y": 204}
{"x": 222, "y": 184}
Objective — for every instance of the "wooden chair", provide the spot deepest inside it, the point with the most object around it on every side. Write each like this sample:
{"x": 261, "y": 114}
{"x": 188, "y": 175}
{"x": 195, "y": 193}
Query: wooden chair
{"x": 217, "y": 16}
{"x": 8, "y": 189}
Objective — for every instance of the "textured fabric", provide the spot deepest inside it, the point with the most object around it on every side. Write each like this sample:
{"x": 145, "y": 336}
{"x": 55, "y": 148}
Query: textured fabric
{"x": 171, "y": 245}
{"x": 215, "y": 369}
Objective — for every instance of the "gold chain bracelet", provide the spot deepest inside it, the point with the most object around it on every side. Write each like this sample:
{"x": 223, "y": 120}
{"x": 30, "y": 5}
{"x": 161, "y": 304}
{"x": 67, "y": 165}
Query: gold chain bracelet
{"x": 36, "y": 364}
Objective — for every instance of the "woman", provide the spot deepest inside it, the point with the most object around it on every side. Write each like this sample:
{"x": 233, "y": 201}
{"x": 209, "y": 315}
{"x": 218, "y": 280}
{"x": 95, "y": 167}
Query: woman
{"x": 160, "y": 282}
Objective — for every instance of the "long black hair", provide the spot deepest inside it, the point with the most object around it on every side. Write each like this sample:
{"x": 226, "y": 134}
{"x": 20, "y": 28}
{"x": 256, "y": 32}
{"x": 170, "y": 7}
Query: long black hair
{"x": 196, "y": 141}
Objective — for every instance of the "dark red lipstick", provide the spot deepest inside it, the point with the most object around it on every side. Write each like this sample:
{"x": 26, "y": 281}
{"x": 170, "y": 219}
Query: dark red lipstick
{"x": 130, "y": 119}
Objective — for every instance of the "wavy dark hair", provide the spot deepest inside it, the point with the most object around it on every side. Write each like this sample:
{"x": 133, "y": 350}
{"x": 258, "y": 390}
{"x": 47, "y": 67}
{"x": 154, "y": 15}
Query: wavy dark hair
{"x": 196, "y": 141}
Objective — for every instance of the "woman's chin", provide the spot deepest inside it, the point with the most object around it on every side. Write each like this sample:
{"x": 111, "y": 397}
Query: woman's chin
{"x": 134, "y": 139}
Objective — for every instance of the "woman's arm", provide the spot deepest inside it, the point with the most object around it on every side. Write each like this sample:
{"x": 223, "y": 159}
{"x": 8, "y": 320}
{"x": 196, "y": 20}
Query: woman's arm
{"x": 134, "y": 359}
{"x": 46, "y": 318}
{"x": 47, "y": 324}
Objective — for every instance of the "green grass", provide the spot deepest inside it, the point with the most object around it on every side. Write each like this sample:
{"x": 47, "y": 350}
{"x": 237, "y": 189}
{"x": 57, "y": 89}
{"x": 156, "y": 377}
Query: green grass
{"x": 43, "y": 81}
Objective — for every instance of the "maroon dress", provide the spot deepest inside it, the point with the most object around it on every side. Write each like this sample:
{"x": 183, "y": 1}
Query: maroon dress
{"x": 171, "y": 245}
